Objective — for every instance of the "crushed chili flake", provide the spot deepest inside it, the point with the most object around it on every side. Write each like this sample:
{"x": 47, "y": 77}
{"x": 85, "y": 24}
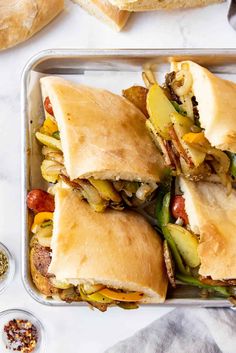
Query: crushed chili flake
{"x": 22, "y": 336}
{"x": 3, "y": 263}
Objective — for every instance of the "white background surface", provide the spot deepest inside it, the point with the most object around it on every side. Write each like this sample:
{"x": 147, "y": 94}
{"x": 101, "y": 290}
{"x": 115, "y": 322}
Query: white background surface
{"x": 72, "y": 330}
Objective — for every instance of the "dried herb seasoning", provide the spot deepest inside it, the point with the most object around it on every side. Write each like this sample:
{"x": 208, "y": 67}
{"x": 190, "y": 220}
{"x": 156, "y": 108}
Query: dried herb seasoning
{"x": 4, "y": 264}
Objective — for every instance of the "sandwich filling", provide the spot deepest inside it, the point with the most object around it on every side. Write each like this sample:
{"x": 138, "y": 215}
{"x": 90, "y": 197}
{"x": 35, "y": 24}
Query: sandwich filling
{"x": 100, "y": 194}
{"x": 175, "y": 127}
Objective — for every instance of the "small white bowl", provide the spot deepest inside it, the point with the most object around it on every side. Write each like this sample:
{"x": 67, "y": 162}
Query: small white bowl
{"x": 8, "y": 276}
{"x": 8, "y": 315}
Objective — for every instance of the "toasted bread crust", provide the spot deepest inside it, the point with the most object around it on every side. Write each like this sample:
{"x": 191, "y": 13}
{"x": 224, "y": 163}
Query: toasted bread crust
{"x": 21, "y": 19}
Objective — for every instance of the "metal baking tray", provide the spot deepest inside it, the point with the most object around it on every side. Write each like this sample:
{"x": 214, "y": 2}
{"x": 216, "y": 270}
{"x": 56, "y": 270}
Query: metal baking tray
{"x": 75, "y": 63}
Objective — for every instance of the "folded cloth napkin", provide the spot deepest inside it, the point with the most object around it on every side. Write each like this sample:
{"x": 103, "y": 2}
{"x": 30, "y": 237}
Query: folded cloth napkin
{"x": 185, "y": 330}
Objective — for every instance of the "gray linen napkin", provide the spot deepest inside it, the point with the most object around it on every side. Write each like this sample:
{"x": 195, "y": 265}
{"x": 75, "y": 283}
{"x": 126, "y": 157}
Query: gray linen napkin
{"x": 185, "y": 330}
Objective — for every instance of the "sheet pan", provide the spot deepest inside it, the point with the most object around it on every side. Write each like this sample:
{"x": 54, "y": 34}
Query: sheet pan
{"x": 113, "y": 70}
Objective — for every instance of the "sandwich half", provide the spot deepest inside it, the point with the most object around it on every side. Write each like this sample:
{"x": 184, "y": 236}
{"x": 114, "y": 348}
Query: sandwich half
{"x": 212, "y": 216}
{"x": 216, "y": 104}
{"x": 102, "y": 258}
{"x": 96, "y": 141}
{"x": 198, "y": 220}
{"x": 148, "y": 5}
{"x": 192, "y": 120}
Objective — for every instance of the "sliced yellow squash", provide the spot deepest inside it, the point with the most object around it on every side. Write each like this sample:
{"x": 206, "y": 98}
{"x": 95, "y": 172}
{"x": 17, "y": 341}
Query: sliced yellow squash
{"x": 96, "y": 297}
{"x": 187, "y": 244}
{"x": 159, "y": 108}
{"x": 44, "y": 236}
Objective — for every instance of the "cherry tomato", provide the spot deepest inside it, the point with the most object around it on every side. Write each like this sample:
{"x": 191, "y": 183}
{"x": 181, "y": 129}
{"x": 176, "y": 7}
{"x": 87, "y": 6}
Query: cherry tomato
{"x": 178, "y": 208}
{"x": 48, "y": 106}
{"x": 40, "y": 201}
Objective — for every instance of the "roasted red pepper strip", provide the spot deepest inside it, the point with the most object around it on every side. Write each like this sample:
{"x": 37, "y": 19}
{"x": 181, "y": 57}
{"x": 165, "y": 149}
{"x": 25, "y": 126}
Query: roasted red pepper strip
{"x": 48, "y": 106}
{"x": 178, "y": 208}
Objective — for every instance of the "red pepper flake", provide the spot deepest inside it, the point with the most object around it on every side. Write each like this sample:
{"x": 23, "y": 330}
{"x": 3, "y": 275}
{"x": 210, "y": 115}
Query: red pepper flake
{"x": 22, "y": 336}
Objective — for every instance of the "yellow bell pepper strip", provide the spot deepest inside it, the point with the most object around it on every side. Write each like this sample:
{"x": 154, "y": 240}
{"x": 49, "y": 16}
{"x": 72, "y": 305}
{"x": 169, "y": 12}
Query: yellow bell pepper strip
{"x": 40, "y": 218}
{"x": 49, "y": 126}
{"x": 159, "y": 108}
{"x": 120, "y": 296}
{"x": 195, "y": 137}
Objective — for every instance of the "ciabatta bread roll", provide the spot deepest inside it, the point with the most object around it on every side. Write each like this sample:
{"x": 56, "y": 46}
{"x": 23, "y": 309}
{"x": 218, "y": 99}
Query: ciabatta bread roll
{"x": 21, "y": 19}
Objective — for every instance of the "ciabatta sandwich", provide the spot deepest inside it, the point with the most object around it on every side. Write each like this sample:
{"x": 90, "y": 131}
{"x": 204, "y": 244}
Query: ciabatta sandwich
{"x": 212, "y": 216}
{"x": 192, "y": 119}
{"x": 101, "y": 258}
{"x": 198, "y": 221}
{"x": 216, "y": 104}
{"x": 96, "y": 141}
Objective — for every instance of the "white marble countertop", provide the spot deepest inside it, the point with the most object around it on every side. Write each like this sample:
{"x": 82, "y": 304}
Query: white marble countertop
{"x": 79, "y": 329}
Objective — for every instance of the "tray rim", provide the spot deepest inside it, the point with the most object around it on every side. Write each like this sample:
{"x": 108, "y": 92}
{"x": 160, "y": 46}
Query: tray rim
{"x": 96, "y": 53}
